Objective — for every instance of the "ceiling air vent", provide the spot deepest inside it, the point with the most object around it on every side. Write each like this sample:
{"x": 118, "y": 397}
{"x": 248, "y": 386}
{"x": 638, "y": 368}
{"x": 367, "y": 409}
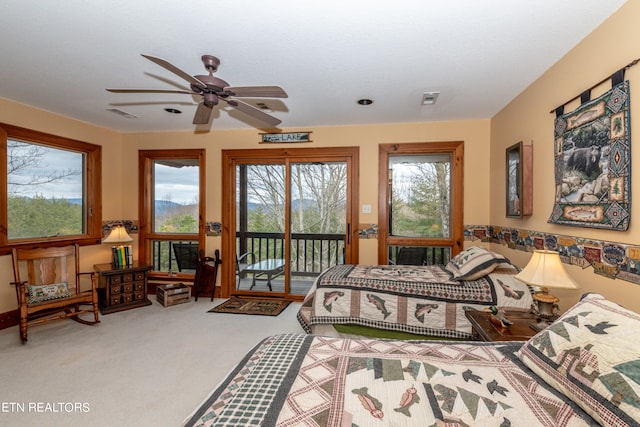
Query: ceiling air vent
{"x": 429, "y": 98}
{"x": 122, "y": 113}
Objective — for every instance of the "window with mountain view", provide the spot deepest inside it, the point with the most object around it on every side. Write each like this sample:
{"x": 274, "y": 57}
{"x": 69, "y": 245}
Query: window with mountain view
{"x": 175, "y": 190}
{"x": 51, "y": 187}
{"x": 171, "y": 220}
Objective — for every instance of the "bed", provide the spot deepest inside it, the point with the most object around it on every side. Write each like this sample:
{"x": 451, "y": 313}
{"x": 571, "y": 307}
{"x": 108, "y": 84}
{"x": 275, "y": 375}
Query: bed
{"x": 418, "y": 300}
{"x": 582, "y": 370}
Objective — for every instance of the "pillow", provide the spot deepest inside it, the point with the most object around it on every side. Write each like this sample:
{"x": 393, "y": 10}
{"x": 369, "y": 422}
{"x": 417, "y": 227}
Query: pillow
{"x": 592, "y": 355}
{"x": 39, "y": 293}
{"x": 474, "y": 263}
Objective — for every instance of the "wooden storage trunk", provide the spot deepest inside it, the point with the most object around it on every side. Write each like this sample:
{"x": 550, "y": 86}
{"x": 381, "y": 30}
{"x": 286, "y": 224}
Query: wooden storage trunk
{"x": 172, "y": 294}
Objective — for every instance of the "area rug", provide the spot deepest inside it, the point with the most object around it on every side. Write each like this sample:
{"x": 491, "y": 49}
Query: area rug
{"x": 264, "y": 307}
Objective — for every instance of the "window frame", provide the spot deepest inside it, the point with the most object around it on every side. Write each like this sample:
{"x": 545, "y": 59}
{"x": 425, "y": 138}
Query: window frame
{"x": 92, "y": 195}
{"x": 456, "y": 240}
{"x": 146, "y": 159}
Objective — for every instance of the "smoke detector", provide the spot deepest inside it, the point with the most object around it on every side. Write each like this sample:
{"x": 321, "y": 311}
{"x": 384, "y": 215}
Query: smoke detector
{"x": 429, "y": 98}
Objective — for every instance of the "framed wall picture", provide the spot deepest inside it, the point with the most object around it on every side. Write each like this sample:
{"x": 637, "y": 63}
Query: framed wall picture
{"x": 519, "y": 194}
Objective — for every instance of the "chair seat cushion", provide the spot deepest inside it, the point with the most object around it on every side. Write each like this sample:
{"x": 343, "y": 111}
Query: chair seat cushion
{"x": 40, "y": 293}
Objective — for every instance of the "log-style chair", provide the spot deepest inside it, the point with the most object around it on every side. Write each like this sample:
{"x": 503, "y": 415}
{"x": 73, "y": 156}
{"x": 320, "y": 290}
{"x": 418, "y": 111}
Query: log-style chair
{"x": 53, "y": 287}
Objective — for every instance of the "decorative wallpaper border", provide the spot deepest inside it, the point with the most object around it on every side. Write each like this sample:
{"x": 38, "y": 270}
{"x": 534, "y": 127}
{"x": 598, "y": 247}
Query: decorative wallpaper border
{"x": 129, "y": 224}
{"x": 610, "y": 259}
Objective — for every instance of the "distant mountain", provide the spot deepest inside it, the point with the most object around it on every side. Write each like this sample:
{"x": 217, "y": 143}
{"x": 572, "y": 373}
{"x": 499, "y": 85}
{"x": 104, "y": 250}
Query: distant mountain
{"x": 163, "y": 206}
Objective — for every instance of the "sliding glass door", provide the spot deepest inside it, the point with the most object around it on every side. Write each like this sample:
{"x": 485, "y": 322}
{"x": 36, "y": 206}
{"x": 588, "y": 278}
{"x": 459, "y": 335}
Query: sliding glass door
{"x": 292, "y": 213}
{"x": 318, "y": 218}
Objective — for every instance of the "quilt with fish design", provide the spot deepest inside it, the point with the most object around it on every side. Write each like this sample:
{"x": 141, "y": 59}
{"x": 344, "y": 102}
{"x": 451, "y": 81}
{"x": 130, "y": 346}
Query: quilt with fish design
{"x": 297, "y": 379}
{"x": 421, "y": 300}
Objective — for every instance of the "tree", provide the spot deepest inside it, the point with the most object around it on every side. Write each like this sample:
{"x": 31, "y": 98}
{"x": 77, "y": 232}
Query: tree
{"x": 318, "y": 202}
{"x": 25, "y": 170}
{"x": 31, "y": 210}
{"x": 420, "y": 199}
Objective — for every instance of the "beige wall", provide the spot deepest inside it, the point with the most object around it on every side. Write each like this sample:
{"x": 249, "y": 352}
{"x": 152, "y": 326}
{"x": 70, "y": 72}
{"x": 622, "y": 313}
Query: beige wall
{"x": 527, "y": 118}
{"x": 120, "y": 166}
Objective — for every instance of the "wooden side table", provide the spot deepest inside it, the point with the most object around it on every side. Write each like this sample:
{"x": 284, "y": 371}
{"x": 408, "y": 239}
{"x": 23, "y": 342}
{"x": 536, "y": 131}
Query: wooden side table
{"x": 122, "y": 288}
{"x": 484, "y": 330}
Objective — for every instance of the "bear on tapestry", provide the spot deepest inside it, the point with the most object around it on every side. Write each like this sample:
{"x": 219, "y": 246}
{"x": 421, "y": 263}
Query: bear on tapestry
{"x": 585, "y": 160}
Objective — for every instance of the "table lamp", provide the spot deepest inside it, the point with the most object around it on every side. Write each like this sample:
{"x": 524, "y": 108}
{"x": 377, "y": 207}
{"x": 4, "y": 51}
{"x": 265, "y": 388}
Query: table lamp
{"x": 545, "y": 270}
{"x": 121, "y": 255}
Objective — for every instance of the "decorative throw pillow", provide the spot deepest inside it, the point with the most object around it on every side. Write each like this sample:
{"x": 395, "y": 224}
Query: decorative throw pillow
{"x": 474, "y": 263}
{"x": 592, "y": 355}
{"x": 39, "y": 293}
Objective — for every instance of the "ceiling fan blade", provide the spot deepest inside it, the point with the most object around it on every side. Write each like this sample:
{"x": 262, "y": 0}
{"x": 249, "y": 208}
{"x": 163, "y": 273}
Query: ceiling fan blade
{"x": 150, "y": 91}
{"x": 203, "y": 114}
{"x": 253, "y": 111}
{"x": 175, "y": 70}
{"x": 257, "y": 91}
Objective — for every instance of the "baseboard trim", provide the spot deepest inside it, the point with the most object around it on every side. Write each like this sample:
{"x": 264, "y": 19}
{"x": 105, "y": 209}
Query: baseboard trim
{"x": 9, "y": 319}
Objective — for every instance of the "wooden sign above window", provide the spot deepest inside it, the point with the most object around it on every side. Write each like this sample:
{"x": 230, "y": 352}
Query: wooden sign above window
{"x": 285, "y": 137}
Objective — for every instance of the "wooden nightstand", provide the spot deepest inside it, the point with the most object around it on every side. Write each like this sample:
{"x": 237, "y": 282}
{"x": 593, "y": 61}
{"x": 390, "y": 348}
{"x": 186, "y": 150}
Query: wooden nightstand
{"x": 484, "y": 330}
{"x": 122, "y": 288}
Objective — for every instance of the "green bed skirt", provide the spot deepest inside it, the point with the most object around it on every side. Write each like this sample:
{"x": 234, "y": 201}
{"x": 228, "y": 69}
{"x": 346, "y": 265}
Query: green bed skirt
{"x": 366, "y": 331}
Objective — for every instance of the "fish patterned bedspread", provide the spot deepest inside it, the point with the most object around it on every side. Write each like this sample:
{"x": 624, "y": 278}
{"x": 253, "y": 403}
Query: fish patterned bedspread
{"x": 421, "y": 300}
{"x": 308, "y": 380}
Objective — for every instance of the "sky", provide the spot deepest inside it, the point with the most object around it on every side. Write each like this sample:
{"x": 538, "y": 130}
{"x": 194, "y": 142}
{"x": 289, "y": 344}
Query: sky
{"x": 178, "y": 185}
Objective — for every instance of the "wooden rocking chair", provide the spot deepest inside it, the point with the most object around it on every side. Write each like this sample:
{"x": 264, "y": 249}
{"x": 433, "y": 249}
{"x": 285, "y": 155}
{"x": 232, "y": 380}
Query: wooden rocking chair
{"x": 51, "y": 291}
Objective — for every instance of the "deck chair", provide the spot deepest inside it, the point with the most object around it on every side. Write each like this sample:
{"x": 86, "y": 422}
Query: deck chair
{"x": 52, "y": 289}
{"x": 242, "y": 262}
{"x": 186, "y": 255}
{"x": 206, "y": 273}
{"x": 412, "y": 256}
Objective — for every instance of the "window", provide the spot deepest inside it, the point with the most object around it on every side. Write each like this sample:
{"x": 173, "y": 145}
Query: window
{"x": 51, "y": 189}
{"x": 420, "y": 204}
{"x": 172, "y": 189}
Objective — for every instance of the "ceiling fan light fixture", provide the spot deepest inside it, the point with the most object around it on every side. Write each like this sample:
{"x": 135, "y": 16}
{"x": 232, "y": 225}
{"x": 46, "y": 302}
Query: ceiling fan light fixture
{"x": 365, "y": 101}
{"x": 212, "y": 90}
{"x": 429, "y": 98}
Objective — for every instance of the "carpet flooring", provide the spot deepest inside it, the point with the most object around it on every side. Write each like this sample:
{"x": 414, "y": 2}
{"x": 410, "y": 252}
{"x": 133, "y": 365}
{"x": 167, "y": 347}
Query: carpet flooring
{"x": 150, "y": 366}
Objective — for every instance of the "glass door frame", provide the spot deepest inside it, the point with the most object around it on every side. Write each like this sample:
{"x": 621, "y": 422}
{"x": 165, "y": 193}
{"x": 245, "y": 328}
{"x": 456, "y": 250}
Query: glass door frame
{"x": 232, "y": 158}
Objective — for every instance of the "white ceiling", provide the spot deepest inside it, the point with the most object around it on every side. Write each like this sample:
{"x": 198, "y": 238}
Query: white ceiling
{"x": 60, "y": 55}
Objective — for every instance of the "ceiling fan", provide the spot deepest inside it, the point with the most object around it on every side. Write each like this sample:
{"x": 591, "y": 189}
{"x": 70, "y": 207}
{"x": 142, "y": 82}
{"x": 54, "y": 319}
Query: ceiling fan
{"x": 213, "y": 89}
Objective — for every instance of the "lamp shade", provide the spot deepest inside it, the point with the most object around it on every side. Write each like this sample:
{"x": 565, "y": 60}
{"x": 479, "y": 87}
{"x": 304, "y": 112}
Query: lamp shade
{"x": 545, "y": 269}
{"x": 118, "y": 235}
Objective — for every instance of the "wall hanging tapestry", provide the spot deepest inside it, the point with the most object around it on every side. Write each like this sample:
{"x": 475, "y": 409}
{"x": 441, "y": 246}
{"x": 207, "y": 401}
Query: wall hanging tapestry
{"x": 593, "y": 161}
